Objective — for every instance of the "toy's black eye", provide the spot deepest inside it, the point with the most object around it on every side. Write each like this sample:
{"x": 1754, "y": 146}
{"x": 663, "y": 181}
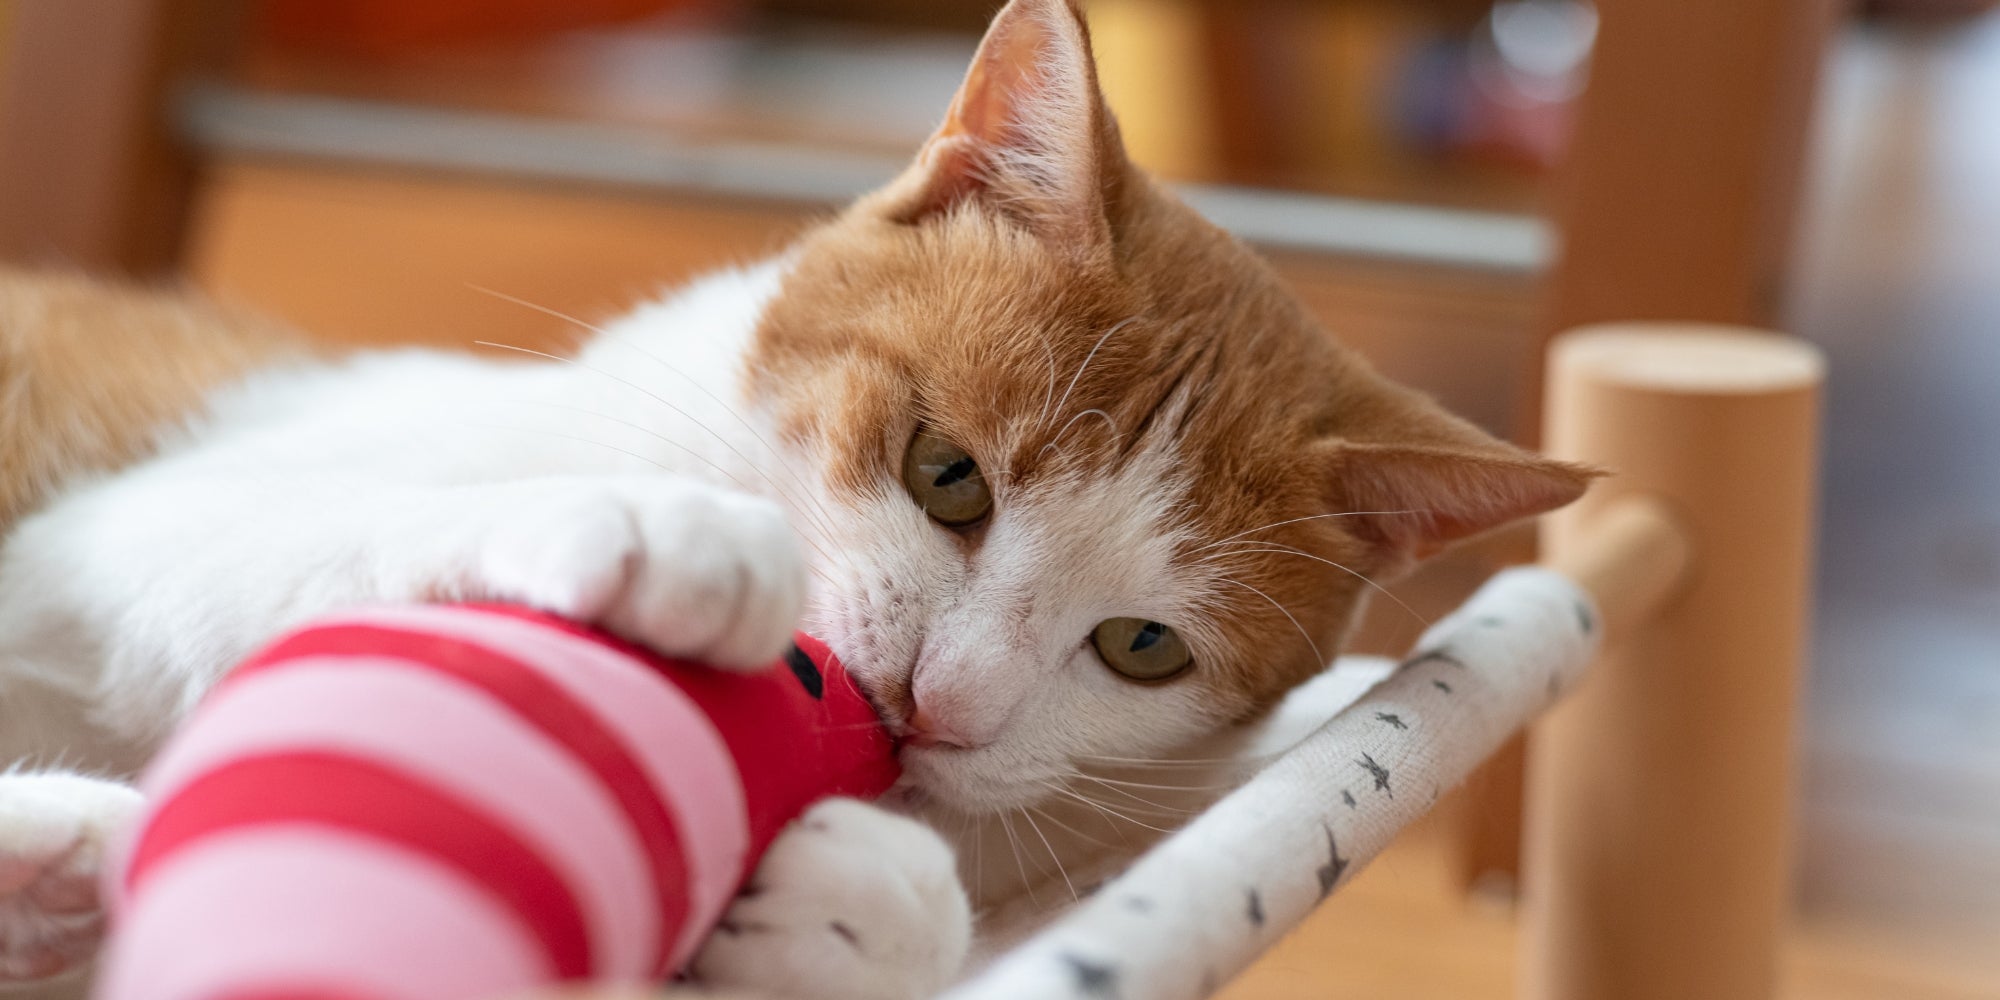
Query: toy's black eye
{"x": 806, "y": 671}
{"x": 1141, "y": 650}
{"x": 945, "y": 481}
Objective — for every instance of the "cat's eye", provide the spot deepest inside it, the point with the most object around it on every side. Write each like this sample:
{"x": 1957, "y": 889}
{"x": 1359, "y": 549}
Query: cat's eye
{"x": 1141, "y": 650}
{"x": 945, "y": 481}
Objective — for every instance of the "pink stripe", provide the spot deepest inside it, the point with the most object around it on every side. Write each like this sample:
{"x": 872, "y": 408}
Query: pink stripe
{"x": 684, "y": 757}
{"x": 455, "y": 737}
{"x": 315, "y": 909}
{"x": 543, "y": 704}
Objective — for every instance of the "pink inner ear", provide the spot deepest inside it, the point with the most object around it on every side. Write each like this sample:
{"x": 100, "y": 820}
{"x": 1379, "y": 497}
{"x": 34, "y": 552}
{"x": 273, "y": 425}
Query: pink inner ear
{"x": 1025, "y": 131}
{"x": 955, "y": 167}
{"x": 1012, "y": 62}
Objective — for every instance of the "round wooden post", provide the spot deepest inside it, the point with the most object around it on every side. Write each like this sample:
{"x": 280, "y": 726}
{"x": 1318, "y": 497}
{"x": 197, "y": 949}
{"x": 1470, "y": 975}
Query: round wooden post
{"x": 1658, "y": 841}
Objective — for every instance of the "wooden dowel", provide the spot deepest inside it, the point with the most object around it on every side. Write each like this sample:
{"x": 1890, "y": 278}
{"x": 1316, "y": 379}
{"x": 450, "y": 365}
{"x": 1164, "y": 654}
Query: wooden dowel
{"x": 1632, "y": 557}
{"x": 1658, "y": 836}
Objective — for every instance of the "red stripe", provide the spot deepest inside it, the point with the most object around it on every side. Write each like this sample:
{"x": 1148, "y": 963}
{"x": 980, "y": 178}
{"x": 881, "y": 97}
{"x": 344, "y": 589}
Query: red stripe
{"x": 541, "y": 704}
{"x": 375, "y": 801}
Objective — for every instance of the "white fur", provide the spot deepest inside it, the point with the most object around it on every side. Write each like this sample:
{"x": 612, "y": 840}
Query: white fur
{"x": 996, "y": 646}
{"x": 638, "y": 488}
{"x": 851, "y": 903}
{"x": 617, "y": 490}
{"x": 408, "y": 476}
{"x": 55, "y": 830}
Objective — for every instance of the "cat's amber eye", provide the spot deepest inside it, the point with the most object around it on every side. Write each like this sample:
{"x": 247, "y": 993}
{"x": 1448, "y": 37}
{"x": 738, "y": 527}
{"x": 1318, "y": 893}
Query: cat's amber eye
{"x": 945, "y": 481}
{"x": 1141, "y": 650}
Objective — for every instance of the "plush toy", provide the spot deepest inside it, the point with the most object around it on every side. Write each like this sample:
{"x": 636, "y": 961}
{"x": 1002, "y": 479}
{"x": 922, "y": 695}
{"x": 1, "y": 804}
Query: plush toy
{"x": 464, "y": 803}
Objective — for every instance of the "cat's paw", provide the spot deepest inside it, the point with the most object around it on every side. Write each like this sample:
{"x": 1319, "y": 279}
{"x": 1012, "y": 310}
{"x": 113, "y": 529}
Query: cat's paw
{"x": 686, "y": 569}
{"x": 54, "y": 831}
{"x": 850, "y": 903}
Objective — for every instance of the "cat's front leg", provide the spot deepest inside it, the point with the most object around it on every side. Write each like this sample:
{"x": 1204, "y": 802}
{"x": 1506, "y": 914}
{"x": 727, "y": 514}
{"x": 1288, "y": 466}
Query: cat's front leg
{"x": 850, "y": 903}
{"x": 687, "y": 568}
{"x": 127, "y": 602}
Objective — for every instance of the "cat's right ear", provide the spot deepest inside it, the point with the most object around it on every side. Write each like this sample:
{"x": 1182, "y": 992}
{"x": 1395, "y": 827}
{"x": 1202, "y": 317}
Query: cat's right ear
{"x": 1028, "y": 135}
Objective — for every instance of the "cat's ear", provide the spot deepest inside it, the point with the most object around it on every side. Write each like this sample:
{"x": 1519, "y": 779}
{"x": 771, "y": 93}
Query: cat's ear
{"x": 1416, "y": 498}
{"x": 1028, "y": 135}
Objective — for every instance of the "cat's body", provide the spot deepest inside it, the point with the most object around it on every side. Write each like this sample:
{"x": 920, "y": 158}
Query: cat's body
{"x": 1057, "y": 468}
{"x": 390, "y": 456}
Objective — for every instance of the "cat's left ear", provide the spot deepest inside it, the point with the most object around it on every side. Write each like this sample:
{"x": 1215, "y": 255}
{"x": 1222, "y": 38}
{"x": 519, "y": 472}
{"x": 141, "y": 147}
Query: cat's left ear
{"x": 1414, "y": 499}
{"x": 1028, "y": 136}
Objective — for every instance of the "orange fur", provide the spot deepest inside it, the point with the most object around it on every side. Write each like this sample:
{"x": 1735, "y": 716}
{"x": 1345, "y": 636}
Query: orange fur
{"x": 967, "y": 294}
{"x": 1022, "y": 291}
{"x": 92, "y": 375}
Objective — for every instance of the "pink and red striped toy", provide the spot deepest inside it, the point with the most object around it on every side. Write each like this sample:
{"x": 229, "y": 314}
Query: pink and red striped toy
{"x": 464, "y": 802}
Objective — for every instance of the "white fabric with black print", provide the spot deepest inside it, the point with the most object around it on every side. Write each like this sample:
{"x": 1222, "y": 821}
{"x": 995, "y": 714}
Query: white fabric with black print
{"x": 1204, "y": 903}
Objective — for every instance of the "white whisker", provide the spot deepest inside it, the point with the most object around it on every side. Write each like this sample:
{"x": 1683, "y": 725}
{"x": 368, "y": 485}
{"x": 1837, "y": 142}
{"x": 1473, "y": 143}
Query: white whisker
{"x": 694, "y": 383}
{"x": 1015, "y": 845}
{"x": 1163, "y": 788}
{"x": 1156, "y": 808}
{"x": 1072, "y": 422}
{"x": 1109, "y": 811}
{"x": 1051, "y": 817}
{"x": 1097, "y": 810}
{"x": 544, "y": 310}
{"x": 1309, "y": 517}
{"x": 1318, "y": 657}
{"x": 1115, "y": 327}
{"x": 1032, "y": 825}
{"x": 1049, "y": 393}
{"x": 664, "y": 439}
{"x": 1176, "y": 761}
{"x": 1275, "y": 547}
{"x": 663, "y": 401}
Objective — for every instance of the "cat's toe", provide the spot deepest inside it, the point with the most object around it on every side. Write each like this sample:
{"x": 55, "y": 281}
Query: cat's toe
{"x": 686, "y": 569}
{"x": 850, "y": 902}
{"x": 55, "y": 829}
{"x": 571, "y": 554}
{"x": 722, "y": 580}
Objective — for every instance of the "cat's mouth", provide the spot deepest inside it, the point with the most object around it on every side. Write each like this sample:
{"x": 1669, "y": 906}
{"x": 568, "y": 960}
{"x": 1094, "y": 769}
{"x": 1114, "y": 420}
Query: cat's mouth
{"x": 882, "y": 712}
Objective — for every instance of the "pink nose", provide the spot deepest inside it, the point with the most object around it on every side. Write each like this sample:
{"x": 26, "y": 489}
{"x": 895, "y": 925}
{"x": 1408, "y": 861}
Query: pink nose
{"x": 925, "y": 731}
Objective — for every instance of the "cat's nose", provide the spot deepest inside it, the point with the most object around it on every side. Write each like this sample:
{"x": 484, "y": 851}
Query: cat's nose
{"x": 924, "y": 730}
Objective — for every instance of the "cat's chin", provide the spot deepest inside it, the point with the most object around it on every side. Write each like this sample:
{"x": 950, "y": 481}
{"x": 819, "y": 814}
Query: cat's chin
{"x": 949, "y": 783}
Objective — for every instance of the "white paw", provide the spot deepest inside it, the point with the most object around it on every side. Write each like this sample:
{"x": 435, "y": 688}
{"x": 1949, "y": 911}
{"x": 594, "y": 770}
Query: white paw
{"x": 850, "y": 903}
{"x": 54, "y": 831}
{"x": 688, "y": 570}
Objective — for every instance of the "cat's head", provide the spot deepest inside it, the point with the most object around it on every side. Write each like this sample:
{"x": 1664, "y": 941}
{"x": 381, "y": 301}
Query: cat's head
{"x": 1095, "y": 484}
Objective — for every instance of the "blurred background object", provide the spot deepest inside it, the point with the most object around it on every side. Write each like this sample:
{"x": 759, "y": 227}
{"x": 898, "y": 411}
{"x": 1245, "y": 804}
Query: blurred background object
{"x": 1445, "y": 183}
{"x": 385, "y": 28}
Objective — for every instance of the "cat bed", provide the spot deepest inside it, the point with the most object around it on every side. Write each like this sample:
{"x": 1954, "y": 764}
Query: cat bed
{"x": 1202, "y": 904}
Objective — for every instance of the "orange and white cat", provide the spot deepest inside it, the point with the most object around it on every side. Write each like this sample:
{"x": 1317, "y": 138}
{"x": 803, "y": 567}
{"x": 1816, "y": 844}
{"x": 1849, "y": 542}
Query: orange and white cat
{"x": 1058, "y": 468}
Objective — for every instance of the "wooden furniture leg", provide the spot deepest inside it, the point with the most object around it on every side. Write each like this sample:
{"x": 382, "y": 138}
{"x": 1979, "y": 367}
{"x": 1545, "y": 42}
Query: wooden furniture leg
{"x": 90, "y": 176}
{"x": 1678, "y": 197}
{"x": 1676, "y": 200}
{"x": 1658, "y": 861}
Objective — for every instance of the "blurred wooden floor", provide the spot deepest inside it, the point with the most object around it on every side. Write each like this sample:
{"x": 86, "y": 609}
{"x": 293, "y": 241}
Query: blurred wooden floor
{"x": 1403, "y": 930}
{"x": 1900, "y": 281}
